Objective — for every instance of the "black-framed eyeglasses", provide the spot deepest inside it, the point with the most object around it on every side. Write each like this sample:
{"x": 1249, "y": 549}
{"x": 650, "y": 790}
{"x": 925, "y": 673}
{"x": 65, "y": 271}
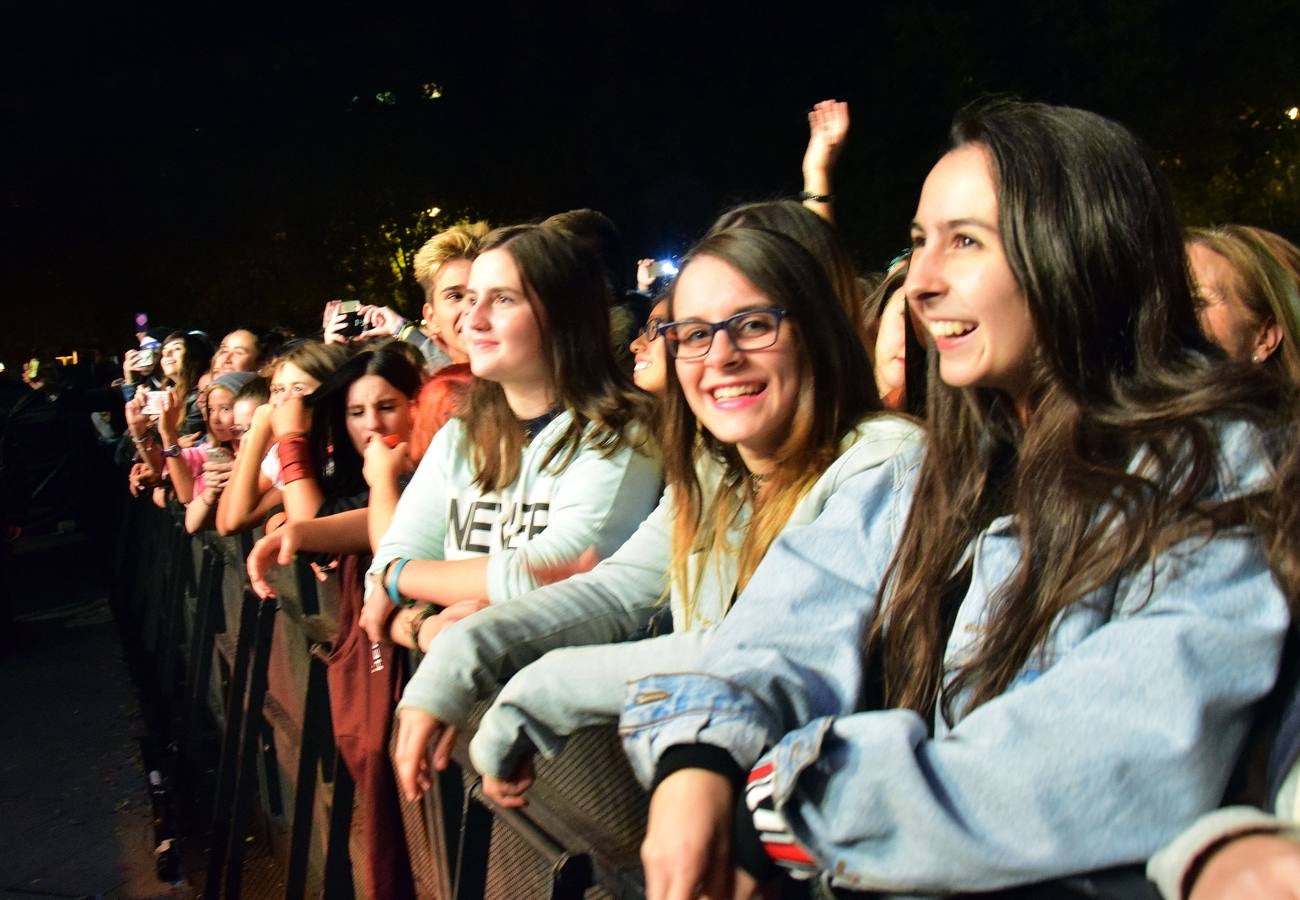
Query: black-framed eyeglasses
{"x": 650, "y": 331}
{"x": 753, "y": 329}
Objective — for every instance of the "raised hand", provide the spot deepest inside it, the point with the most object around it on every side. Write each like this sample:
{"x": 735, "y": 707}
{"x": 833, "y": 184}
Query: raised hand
{"x": 828, "y": 127}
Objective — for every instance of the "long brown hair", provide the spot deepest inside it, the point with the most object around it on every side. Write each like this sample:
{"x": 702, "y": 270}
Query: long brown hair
{"x": 1121, "y": 369}
{"x": 570, "y": 296}
{"x": 832, "y": 401}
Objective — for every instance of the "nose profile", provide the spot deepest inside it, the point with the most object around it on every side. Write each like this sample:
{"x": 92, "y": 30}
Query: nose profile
{"x": 924, "y": 281}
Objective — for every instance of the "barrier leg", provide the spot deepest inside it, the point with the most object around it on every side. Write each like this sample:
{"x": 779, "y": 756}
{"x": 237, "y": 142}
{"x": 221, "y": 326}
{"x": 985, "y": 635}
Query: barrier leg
{"x": 338, "y": 863}
{"x": 250, "y": 735}
{"x": 228, "y": 763}
{"x": 316, "y": 728}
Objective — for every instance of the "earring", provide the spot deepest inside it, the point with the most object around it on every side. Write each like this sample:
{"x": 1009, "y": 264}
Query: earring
{"x": 1257, "y": 357}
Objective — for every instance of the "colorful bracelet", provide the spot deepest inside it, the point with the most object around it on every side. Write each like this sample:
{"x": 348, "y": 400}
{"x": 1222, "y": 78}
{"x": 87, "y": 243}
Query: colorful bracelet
{"x": 395, "y": 568}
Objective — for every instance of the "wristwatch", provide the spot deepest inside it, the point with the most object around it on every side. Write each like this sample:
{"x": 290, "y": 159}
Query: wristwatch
{"x": 172, "y": 452}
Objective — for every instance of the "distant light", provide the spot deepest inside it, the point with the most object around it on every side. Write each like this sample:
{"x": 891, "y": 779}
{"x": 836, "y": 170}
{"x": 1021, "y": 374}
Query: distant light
{"x": 1293, "y": 113}
{"x": 431, "y": 91}
{"x": 432, "y": 212}
{"x": 669, "y": 267}
{"x": 386, "y": 98}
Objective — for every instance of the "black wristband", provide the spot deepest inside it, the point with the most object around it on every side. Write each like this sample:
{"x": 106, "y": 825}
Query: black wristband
{"x": 699, "y": 756}
{"x": 818, "y": 198}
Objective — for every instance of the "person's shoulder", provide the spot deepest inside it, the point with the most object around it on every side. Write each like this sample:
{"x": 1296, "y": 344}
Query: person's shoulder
{"x": 1246, "y": 456}
{"x": 881, "y": 436}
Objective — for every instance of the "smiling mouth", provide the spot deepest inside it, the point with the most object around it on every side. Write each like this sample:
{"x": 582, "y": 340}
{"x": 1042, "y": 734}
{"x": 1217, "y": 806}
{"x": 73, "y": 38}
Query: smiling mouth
{"x": 950, "y": 328}
{"x": 732, "y": 391}
{"x": 641, "y": 364}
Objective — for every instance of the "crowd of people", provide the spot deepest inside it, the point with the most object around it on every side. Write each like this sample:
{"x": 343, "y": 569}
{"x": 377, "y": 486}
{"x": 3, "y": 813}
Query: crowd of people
{"x": 974, "y": 572}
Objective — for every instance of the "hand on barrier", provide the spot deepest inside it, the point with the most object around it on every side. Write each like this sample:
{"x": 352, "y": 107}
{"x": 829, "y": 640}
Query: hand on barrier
{"x": 509, "y": 792}
{"x": 1254, "y": 867}
{"x": 562, "y": 570}
{"x": 687, "y": 848}
{"x": 277, "y": 549}
{"x": 828, "y": 126}
{"x": 415, "y": 729}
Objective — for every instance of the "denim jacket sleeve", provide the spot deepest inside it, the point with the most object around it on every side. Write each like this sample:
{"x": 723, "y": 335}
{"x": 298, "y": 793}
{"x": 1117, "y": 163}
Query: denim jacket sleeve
{"x": 469, "y": 660}
{"x": 1097, "y": 761}
{"x": 789, "y": 651}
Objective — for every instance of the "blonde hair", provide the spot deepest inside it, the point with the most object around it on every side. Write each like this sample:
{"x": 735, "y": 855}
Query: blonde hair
{"x": 457, "y": 242}
{"x": 1266, "y": 272}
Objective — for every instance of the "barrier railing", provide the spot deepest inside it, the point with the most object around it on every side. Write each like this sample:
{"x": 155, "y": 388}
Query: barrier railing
{"x": 239, "y": 685}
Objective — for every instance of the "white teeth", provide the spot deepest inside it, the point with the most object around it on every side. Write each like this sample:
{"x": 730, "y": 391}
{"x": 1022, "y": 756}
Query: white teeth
{"x": 735, "y": 390}
{"x": 950, "y": 327}
{"x": 639, "y": 366}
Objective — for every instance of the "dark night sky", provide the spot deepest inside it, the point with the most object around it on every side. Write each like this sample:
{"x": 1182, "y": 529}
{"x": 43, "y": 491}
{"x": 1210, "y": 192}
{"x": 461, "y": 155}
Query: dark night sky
{"x": 213, "y": 164}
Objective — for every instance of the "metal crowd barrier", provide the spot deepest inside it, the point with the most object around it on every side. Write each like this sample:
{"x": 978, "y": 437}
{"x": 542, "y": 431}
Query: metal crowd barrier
{"x": 238, "y": 687}
{"x": 238, "y": 691}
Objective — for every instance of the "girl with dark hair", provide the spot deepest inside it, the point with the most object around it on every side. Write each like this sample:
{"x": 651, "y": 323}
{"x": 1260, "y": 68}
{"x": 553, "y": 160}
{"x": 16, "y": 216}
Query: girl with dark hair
{"x": 764, "y": 420}
{"x": 549, "y": 456}
{"x": 1069, "y": 597}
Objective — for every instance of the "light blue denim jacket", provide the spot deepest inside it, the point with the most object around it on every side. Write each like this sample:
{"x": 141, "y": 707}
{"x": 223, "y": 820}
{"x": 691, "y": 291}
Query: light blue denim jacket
{"x": 580, "y": 680}
{"x": 1116, "y": 737}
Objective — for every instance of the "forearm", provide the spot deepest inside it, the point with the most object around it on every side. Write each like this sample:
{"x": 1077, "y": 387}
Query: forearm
{"x": 240, "y": 499}
{"x": 182, "y": 479}
{"x": 569, "y": 689}
{"x": 302, "y": 499}
{"x": 199, "y": 514}
{"x": 817, "y": 181}
{"x": 384, "y": 495}
{"x": 444, "y": 581}
{"x": 344, "y": 532}
{"x": 471, "y": 659}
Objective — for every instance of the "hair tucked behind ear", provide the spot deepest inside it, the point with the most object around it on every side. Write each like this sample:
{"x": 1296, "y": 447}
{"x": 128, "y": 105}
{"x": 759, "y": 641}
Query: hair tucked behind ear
{"x": 1121, "y": 369}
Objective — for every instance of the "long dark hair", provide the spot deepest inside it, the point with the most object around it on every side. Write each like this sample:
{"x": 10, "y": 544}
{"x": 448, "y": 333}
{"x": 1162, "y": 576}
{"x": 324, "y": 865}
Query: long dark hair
{"x": 836, "y": 392}
{"x": 336, "y": 461}
{"x": 1089, "y": 230}
{"x": 196, "y": 360}
{"x": 566, "y": 284}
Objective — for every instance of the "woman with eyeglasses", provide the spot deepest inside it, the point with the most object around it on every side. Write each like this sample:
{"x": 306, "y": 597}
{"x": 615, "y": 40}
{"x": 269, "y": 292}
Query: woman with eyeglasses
{"x": 765, "y": 418}
{"x": 650, "y": 360}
